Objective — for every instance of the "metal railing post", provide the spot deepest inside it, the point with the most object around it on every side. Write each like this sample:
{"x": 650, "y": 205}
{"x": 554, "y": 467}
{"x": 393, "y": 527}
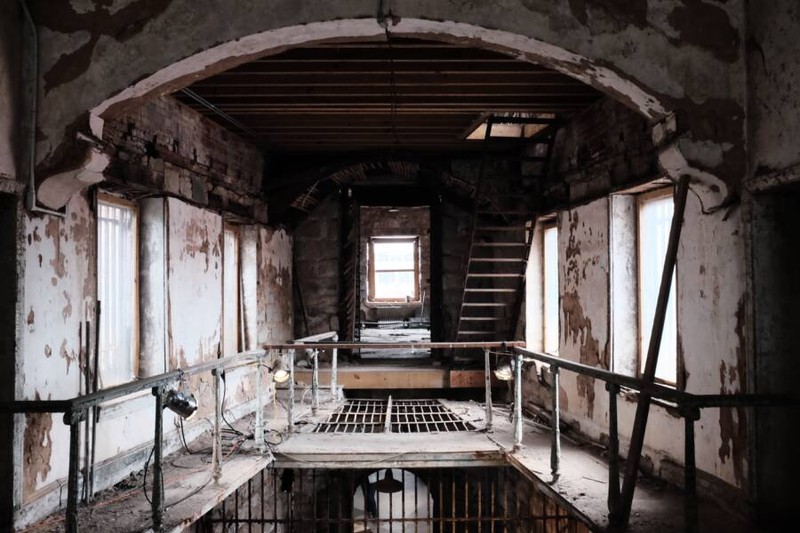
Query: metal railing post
{"x": 290, "y": 410}
{"x": 73, "y": 419}
{"x": 387, "y": 423}
{"x": 488, "y": 379}
{"x": 315, "y": 381}
{"x": 613, "y": 455}
{"x": 258, "y": 433}
{"x": 157, "y": 502}
{"x": 555, "y": 448}
{"x": 518, "y": 401}
{"x": 216, "y": 455}
{"x": 334, "y": 374}
{"x": 692, "y": 525}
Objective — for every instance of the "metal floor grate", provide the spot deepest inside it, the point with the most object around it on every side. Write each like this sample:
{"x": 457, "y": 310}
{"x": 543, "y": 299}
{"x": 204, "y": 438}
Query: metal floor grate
{"x": 405, "y": 416}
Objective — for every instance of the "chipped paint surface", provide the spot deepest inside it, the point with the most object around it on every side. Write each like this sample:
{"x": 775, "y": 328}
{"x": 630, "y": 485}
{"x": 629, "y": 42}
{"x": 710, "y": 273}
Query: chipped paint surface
{"x": 583, "y": 288}
{"x": 59, "y": 297}
{"x": 274, "y": 286}
{"x": 195, "y": 284}
{"x": 712, "y": 344}
{"x": 38, "y": 445}
{"x": 710, "y": 305}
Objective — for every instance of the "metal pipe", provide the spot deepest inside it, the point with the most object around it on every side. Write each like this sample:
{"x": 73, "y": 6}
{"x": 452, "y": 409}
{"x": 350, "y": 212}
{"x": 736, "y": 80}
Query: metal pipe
{"x": 258, "y": 433}
{"x": 157, "y": 504}
{"x": 314, "y": 381}
{"x": 334, "y": 374}
{"x": 387, "y": 423}
{"x": 290, "y": 410}
{"x": 518, "y": 402}
{"x": 555, "y": 448}
{"x": 34, "y": 117}
{"x": 613, "y": 455}
{"x": 643, "y": 406}
{"x": 488, "y": 382}
{"x": 216, "y": 454}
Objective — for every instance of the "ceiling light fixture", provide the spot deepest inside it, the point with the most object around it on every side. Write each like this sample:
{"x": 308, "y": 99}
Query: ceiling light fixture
{"x": 388, "y": 485}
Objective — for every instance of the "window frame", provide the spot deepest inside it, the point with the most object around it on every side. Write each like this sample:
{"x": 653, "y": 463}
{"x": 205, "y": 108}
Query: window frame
{"x": 118, "y": 201}
{"x": 642, "y": 200}
{"x": 371, "y": 289}
{"x": 230, "y": 228}
{"x": 550, "y": 225}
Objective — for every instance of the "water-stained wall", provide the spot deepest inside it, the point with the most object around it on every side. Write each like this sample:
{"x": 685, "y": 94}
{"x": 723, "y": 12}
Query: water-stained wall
{"x": 712, "y": 337}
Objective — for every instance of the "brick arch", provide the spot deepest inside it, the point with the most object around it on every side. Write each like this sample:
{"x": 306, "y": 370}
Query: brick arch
{"x": 629, "y": 52}
{"x": 408, "y": 169}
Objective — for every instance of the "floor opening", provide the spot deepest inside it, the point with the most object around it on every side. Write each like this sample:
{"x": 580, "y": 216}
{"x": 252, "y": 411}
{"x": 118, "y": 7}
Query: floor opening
{"x": 406, "y": 416}
{"x": 412, "y": 500}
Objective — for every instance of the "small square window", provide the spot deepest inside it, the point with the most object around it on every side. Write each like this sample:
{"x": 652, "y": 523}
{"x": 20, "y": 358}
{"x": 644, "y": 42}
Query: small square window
{"x": 394, "y": 269}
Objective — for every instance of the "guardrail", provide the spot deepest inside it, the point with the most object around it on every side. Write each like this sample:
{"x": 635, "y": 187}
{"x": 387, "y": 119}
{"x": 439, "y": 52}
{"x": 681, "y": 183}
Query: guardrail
{"x": 687, "y": 404}
{"x": 77, "y": 409}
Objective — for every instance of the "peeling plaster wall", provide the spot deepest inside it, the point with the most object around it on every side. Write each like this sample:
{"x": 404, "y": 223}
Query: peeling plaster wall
{"x": 275, "y": 302}
{"x": 712, "y": 337}
{"x": 59, "y": 297}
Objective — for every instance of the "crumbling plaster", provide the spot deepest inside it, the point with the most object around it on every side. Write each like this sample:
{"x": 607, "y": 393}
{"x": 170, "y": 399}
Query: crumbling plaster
{"x": 712, "y": 336}
{"x": 648, "y": 55}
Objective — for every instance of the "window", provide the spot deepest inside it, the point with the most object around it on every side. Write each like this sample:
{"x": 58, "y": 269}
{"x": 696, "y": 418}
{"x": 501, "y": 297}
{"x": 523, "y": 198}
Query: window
{"x": 230, "y": 300}
{"x": 117, "y": 262}
{"x": 394, "y": 269}
{"x": 550, "y": 288}
{"x": 655, "y": 219}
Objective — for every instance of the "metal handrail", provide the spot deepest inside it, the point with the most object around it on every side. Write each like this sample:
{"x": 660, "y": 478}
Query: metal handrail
{"x": 688, "y": 406}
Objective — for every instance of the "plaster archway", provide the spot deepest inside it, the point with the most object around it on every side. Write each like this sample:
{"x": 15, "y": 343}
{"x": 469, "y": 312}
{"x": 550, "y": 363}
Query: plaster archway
{"x": 688, "y": 88}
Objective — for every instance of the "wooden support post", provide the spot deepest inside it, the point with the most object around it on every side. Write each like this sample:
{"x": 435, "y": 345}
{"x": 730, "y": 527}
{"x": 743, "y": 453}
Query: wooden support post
{"x": 518, "y": 401}
{"x": 643, "y": 407}
{"x": 290, "y": 409}
{"x": 315, "y": 381}
{"x": 258, "y": 433}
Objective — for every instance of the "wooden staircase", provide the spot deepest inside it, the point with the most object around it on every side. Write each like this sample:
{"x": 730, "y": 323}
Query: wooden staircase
{"x": 502, "y": 230}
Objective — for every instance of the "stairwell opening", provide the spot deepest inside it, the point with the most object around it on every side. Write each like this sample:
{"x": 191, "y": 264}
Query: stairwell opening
{"x": 428, "y": 500}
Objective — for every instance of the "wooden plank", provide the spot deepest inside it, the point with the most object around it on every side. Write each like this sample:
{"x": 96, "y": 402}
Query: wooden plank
{"x": 380, "y": 377}
{"x": 469, "y": 379}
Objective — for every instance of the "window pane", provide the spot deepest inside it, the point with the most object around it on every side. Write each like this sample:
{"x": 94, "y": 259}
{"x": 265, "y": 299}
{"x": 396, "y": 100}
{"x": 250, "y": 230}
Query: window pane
{"x": 116, "y": 264}
{"x": 230, "y": 300}
{"x": 550, "y": 265}
{"x": 655, "y": 218}
{"x": 394, "y": 284}
{"x": 394, "y": 255}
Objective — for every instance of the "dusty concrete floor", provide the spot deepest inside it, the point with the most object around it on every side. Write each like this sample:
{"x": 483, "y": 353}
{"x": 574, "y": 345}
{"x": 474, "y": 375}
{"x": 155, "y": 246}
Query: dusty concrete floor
{"x": 190, "y": 493}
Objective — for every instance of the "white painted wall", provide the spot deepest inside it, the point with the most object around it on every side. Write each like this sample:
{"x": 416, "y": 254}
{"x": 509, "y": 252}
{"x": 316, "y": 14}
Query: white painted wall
{"x": 710, "y": 306}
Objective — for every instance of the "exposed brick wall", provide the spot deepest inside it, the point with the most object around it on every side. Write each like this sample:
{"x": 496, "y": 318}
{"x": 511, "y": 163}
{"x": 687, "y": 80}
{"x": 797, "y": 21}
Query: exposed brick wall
{"x": 167, "y": 146}
{"x": 316, "y": 260}
{"x": 603, "y": 148}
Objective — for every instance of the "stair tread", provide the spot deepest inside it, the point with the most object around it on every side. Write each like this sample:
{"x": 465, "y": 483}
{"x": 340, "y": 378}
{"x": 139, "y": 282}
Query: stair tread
{"x": 482, "y": 318}
{"x": 489, "y": 290}
{"x": 500, "y": 244}
{"x": 486, "y": 304}
{"x": 497, "y": 259}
